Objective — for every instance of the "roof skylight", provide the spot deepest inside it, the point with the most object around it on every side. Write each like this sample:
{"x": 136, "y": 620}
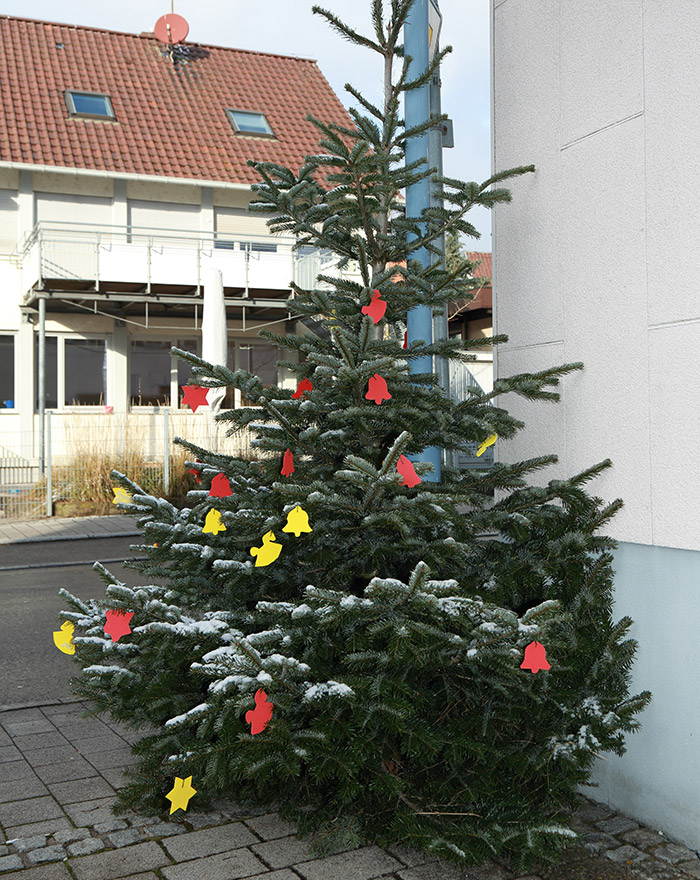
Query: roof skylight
{"x": 90, "y": 104}
{"x": 248, "y": 122}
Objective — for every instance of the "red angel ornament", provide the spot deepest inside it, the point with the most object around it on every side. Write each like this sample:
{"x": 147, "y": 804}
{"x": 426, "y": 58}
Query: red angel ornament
{"x": 287, "y": 464}
{"x": 261, "y": 714}
{"x": 304, "y": 386}
{"x": 377, "y": 389}
{"x": 376, "y": 308}
{"x": 409, "y": 477}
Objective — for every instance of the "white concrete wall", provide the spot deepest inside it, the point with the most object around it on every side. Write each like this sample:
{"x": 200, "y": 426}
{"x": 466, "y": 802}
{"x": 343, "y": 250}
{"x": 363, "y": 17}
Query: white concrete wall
{"x": 597, "y": 260}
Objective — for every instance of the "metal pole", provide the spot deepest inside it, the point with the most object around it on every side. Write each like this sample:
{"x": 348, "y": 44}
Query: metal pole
{"x": 166, "y": 451}
{"x": 41, "y": 381}
{"x": 417, "y": 109}
{"x": 49, "y": 481}
{"x": 440, "y": 322}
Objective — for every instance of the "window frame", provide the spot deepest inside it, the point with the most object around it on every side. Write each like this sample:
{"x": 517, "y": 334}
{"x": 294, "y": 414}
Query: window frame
{"x": 61, "y": 406}
{"x": 239, "y": 131}
{"x": 70, "y": 103}
{"x": 15, "y": 358}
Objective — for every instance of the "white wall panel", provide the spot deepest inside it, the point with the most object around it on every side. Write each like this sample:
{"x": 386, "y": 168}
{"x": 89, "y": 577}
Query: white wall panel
{"x": 8, "y": 220}
{"x": 601, "y": 64}
{"x": 62, "y": 208}
{"x": 163, "y": 215}
{"x": 672, "y": 85}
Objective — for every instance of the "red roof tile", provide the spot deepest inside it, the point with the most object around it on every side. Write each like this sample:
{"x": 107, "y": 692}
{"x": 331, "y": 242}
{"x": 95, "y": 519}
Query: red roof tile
{"x": 483, "y": 270}
{"x": 170, "y": 116}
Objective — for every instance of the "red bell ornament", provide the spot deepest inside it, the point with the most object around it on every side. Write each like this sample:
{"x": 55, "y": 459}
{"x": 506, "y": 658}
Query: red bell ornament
{"x": 535, "y": 657}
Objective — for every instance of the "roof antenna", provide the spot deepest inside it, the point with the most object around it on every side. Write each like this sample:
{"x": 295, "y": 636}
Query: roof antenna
{"x": 171, "y": 29}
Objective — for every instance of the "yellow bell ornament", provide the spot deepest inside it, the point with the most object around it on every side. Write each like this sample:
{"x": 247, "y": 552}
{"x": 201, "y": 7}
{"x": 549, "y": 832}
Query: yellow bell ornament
{"x": 297, "y": 521}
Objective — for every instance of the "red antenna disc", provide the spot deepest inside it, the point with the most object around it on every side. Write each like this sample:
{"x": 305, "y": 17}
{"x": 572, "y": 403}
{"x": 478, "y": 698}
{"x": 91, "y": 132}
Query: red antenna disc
{"x": 171, "y": 28}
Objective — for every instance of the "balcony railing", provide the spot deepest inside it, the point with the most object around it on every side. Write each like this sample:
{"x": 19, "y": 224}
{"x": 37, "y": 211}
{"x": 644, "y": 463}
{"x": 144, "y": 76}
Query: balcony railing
{"x": 82, "y": 252}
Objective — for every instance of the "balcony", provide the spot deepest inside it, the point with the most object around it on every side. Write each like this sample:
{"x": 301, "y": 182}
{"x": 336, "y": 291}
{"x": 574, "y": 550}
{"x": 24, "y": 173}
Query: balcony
{"x": 73, "y": 258}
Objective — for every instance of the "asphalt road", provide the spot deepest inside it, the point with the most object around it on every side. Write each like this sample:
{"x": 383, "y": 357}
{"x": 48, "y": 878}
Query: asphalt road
{"x": 32, "y": 669}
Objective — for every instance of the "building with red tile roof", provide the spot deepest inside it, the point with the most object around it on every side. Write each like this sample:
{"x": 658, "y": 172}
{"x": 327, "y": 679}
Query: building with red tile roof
{"x": 169, "y": 107}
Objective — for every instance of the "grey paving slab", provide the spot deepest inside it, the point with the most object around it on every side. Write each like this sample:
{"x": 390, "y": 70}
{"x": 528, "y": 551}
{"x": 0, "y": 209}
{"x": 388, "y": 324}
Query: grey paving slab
{"x": 617, "y": 825}
{"x": 100, "y": 745}
{"x": 48, "y": 826}
{"x": 409, "y": 857}
{"x": 77, "y": 790}
{"x": 359, "y": 864}
{"x": 438, "y": 870}
{"x": 209, "y": 841}
{"x": 224, "y": 866}
{"x": 119, "y": 862}
{"x": 56, "y": 871}
{"x": 270, "y": 826}
{"x": 31, "y": 810}
{"x": 673, "y": 853}
{"x": 164, "y": 829}
{"x": 113, "y": 825}
{"x": 46, "y": 854}
{"x": 25, "y": 844}
{"x": 17, "y": 770}
{"x": 284, "y": 874}
{"x": 70, "y": 835}
{"x": 10, "y": 863}
{"x": 284, "y": 852}
{"x": 21, "y": 728}
{"x": 126, "y": 837}
{"x": 115, "y": 777}
{"x": 89, "y": 813}
{"x": 74, "y": 768}
{"x": 692, "y": 869}
{"x": 9, "y": 753}
{"x": 116, "y": 758}
{"x": 85, "y": 847}
{"x": 22, "y": 789}
{"x": 34, "y": 741}
{"x": 5, "y": 738}
{"x": 148, "y": 875}
{"x": 53, "y": 755}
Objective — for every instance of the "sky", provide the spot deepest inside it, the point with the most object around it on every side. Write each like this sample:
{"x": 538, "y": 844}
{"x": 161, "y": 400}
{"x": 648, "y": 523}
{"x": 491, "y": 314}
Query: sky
{"x": 288, "y": 27}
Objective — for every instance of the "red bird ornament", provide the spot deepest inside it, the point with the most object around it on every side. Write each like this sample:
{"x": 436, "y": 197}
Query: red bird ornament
{"x": 261, "y": 714}
{"x": 287, "y": 464}
{"x": 409, "y": 477}
{"x": 535, "y": 657}
{"x": 304, "y": 386}
{"x": 196, "y": 472}
{"x": 376, "y": 308}
{"x": 377, "y": 389}
{"x": 220, "y": 487}
{"x": 195, "y": 396}
{"x": 118, "y": 624}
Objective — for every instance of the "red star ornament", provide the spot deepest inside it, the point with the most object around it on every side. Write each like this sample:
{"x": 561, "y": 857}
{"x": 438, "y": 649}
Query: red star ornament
{"x": 195, "y": 396}
{"x": 376, "y": 308}
{"x": 287, "y": 464}
{"x": 302, "y": 388}
{"x": 259, "y": 717}
{"x": 220, "y": 487}
{"x": 118, "y": 624}
{"x": 377, "y": 389}
{"x": 409, "y": 477}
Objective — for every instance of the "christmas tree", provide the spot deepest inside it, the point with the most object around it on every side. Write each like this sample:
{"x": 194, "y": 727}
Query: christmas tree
{"x": 383, "y": 657}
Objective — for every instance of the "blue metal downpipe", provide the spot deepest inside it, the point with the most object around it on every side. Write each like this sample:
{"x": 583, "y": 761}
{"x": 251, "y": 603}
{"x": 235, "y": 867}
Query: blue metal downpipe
{"x": 417, "y": 110}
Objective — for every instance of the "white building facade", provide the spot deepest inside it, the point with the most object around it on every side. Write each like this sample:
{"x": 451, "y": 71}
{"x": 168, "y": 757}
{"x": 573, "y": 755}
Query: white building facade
{"x": 596, "y": 260}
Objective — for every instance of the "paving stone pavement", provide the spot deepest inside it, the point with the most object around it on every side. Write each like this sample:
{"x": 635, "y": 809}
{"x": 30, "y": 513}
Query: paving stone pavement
{"x": 59, "y": 773}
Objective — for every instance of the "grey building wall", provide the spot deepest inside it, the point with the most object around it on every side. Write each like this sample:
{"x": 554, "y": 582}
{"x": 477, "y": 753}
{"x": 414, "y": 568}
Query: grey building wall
{"x": 597, "y": 260}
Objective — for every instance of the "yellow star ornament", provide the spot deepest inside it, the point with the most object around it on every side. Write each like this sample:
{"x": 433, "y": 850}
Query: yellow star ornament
{"x": 213, "y": 524}
{"x": 63, "y": 638}
{"x": 121, "y": 496}
{"x": 180, "y": 794}
{"x": 489, "y": 441}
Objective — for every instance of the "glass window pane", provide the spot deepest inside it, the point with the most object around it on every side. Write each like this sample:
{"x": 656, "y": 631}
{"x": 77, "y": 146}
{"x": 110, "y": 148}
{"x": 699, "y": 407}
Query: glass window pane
{"x": 7, "y": 372}
{"x": 149, "y": 370}
{"x": 261, "y": 359}
{"x": 255, "y": 123}
{"x": 184, "y": 369}
{"x": 86, "y": 372}
{"x": 50, "y": 388}
{"x": 95, "y": 105}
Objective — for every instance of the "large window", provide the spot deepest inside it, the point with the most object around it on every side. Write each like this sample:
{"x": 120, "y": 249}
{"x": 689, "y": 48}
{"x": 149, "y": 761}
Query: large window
{"x": 7, "y": 372}
{"x": 259, "y": 358}
{"x": 75, "y": 372}
{"x": 85, "y": 372}
{"x": 149, "y": 369}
